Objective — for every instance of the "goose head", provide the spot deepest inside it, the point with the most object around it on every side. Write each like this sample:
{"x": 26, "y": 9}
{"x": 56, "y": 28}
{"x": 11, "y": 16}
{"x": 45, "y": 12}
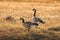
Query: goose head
{"x": 22, "y": 19}
{"x": 34, "y": 11}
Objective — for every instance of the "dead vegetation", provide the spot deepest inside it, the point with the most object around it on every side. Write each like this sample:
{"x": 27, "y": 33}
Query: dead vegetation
{"x": 11, "y": 31}
{"x": 54, "y": 28}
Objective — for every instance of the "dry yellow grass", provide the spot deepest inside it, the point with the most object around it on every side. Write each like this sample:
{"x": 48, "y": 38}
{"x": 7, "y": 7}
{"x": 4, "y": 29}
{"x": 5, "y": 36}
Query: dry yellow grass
{"x": 45, "y": 11}
{"x": 41, "y": 1}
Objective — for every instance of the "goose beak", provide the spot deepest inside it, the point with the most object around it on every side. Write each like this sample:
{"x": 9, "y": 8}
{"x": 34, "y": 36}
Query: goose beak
{"x": 21, "y": 19}
{"x": 34, "y": 9}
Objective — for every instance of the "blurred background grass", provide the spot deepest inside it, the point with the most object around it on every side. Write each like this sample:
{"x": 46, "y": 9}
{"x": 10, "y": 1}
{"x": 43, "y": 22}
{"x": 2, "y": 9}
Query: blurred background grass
{"x": 14, "y": 30}
{"x": 48, "y": 1}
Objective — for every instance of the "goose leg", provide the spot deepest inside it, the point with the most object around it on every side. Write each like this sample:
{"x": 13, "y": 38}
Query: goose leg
{"x": 29, "y": 29}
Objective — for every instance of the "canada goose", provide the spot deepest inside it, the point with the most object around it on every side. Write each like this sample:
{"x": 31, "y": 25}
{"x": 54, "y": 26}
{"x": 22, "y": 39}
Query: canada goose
{"x": 28, "y": 24}
{"x": 36, "y": 19}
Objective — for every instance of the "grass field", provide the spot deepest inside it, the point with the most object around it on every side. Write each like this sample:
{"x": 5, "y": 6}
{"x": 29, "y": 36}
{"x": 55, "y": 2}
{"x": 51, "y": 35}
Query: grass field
{"x": 14, "y": 30}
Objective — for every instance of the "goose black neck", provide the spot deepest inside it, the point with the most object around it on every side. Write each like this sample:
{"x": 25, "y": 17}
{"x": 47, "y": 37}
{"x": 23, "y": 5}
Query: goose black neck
{"x": 23, "y": 20}
{"x": 34, "y": 12}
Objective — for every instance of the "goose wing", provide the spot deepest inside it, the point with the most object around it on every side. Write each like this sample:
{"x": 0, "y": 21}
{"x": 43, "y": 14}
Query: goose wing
{"x": 34, "y": 24}
{"x": 36, "y": 19}
{"x": 27, "y": 24}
